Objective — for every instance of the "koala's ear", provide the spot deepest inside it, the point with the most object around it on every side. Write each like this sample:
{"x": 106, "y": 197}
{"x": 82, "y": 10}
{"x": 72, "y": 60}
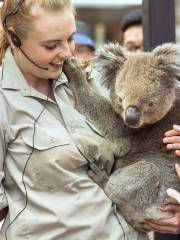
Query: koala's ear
{"x": 169, "y": 56}
{"x": 109, "y": 60}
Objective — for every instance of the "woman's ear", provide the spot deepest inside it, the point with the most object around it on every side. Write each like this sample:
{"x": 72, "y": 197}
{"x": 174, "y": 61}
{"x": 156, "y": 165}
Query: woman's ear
{"x": 109, "y": 60}
{"x": 10, "y": 34}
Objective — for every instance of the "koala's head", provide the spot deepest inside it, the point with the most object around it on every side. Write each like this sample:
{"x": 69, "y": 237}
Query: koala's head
{"x": 142, "y": 85}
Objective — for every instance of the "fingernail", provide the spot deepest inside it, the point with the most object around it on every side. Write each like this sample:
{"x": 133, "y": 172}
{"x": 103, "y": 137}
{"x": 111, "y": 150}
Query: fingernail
{"x": 168, "y": 146}
{"x": 176, "y": 127}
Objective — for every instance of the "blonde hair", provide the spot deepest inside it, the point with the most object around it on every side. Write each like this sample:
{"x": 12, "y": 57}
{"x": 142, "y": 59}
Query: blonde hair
{"x": 22, "y": 21}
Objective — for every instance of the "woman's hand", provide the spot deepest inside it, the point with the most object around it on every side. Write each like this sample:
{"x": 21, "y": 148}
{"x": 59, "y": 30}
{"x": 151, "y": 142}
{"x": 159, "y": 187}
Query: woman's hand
{"x": 170, "y": 225}
{"x": 173, "y": 193}
{"x": 172, "y": 139}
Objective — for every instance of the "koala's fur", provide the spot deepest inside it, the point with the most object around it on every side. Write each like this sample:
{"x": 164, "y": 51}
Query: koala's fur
{"x": 145, "y": 102}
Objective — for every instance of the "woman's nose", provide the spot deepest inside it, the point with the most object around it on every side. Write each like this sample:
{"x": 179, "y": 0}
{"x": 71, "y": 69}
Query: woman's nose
{"x": 65, "y": 51}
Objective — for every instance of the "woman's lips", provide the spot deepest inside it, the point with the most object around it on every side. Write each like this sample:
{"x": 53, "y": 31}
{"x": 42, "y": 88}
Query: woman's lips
{"x": 56, "y": 65}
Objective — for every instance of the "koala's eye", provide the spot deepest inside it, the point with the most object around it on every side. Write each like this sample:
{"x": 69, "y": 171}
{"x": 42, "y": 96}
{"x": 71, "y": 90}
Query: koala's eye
{"x": 120, "y": 100}
{"x": 151, "y": 104}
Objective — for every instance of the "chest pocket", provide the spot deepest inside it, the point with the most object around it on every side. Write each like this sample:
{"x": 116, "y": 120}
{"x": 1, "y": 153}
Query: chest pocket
{"x": 43, "y": 141}
{"x": 48, "y": 166}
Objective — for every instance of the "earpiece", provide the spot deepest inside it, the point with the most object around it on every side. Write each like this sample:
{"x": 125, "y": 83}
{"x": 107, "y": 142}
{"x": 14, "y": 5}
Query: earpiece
{"x": 17, "y": 43}
{"x": 15, "y": 39}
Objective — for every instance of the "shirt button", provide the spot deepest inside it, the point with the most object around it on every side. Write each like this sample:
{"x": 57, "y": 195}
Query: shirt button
{"x": 52, "y": 140}
{"x": 72, "y": 129}
{"x": 24, "y": 90}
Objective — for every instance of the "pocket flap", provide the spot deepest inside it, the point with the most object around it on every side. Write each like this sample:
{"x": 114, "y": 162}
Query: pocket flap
{"x": 44, "y": 141}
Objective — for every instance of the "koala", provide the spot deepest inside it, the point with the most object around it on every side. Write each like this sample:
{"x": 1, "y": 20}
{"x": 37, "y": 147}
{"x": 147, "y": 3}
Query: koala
{"x": 144, "y": 103}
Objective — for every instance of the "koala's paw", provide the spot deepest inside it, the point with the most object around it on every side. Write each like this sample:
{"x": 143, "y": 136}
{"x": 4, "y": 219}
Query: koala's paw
{"x": 97, "y": 173}
{"x": 73, "y": 71}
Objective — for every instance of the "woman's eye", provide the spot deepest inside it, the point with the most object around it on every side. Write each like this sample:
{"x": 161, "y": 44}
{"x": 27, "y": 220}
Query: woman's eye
{"x": 71, "y": 39}
{"x": 50, "y": 47}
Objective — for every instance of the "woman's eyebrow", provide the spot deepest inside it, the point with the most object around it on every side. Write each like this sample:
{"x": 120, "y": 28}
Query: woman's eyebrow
{"x": 56, "y": 40}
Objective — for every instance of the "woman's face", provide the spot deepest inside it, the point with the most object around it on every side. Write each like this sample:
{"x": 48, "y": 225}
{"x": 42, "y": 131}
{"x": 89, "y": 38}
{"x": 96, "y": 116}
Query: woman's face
{"x": 48, "y": 44}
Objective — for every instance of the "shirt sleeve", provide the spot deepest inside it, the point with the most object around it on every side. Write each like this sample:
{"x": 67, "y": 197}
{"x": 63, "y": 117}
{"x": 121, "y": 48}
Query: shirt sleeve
{"x": 3, "y": 129}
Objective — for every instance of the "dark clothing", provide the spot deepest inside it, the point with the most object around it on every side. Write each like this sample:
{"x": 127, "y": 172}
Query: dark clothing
{"x": 165, "y": 236}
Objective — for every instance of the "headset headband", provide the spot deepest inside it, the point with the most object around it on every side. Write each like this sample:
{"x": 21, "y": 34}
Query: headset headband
{"x": 12, "y": 13}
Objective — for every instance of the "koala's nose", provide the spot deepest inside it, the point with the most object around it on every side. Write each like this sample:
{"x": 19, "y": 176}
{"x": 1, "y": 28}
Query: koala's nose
{"x": 132, "y": 115}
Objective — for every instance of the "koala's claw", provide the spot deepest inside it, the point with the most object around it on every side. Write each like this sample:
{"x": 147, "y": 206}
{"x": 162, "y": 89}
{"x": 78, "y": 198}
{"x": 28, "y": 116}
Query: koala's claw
{"x": 97, "y": 173}
{"x": 72, "y": 70}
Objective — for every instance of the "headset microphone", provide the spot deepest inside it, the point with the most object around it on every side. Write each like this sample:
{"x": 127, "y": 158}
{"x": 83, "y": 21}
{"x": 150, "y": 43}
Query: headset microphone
{"x": 17, "y": 43}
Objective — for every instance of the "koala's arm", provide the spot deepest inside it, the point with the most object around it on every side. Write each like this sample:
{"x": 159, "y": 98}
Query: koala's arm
{"x": 96, "y": 108}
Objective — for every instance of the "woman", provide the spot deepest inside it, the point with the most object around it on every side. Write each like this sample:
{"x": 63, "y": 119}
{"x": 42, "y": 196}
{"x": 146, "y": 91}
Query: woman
{"x": 45, "y": 143}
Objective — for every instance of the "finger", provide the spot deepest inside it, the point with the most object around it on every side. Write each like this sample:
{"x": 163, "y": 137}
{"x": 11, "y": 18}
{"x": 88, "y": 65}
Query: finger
{"x": 163, "y": 229}
{"x": 163, "y": 222}
{"x": 175, "y": 208}
{"x": 177, "y": 166}
{"x": 171, "y": 133}
{"x": 172, "y": 139}
{"x": 173, "y": 194}
{"x": 173, "y": 146}
{"x": 177, "y": 152}
{"x": 176, "y": 128}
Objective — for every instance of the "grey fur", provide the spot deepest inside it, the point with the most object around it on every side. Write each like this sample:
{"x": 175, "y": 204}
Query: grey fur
{"x": 109, "y": 60}
{"x": 146, "y": 84}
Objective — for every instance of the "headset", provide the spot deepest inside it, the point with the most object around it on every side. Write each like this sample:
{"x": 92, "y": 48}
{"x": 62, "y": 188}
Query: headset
{"x": 15, "y": 39}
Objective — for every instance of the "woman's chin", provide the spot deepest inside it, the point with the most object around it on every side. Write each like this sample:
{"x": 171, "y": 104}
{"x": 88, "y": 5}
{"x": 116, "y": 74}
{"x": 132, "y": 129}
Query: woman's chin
{"x": 55, "y": 74}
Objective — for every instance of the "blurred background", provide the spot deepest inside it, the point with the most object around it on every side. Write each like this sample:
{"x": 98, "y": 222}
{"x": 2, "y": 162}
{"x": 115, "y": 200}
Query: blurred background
{"x": 105, "y": 17}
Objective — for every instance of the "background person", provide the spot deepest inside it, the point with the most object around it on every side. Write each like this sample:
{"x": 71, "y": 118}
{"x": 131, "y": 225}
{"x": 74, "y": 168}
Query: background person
{"x": 84, "y": 41}
{"x": 132, "y": 31}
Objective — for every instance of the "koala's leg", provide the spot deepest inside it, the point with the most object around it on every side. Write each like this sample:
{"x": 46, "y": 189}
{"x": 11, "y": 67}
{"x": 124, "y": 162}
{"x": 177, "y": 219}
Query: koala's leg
{"x": 134, "y": 189}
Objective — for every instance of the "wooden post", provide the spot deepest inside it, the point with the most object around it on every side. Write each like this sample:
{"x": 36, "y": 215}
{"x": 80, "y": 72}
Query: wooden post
{"x": 158, "y": 22}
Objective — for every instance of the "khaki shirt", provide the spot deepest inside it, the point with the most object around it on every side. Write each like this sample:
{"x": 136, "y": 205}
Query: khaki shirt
{"x": 63, "y": 203}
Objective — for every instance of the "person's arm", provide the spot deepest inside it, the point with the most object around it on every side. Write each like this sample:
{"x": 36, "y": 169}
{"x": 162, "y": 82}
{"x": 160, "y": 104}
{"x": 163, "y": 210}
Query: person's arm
{"x": 172, "y": 141}
{"x": 171, "y": 225}
{"x": 173, "y": 193}
{"x": 3, "y": 135}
